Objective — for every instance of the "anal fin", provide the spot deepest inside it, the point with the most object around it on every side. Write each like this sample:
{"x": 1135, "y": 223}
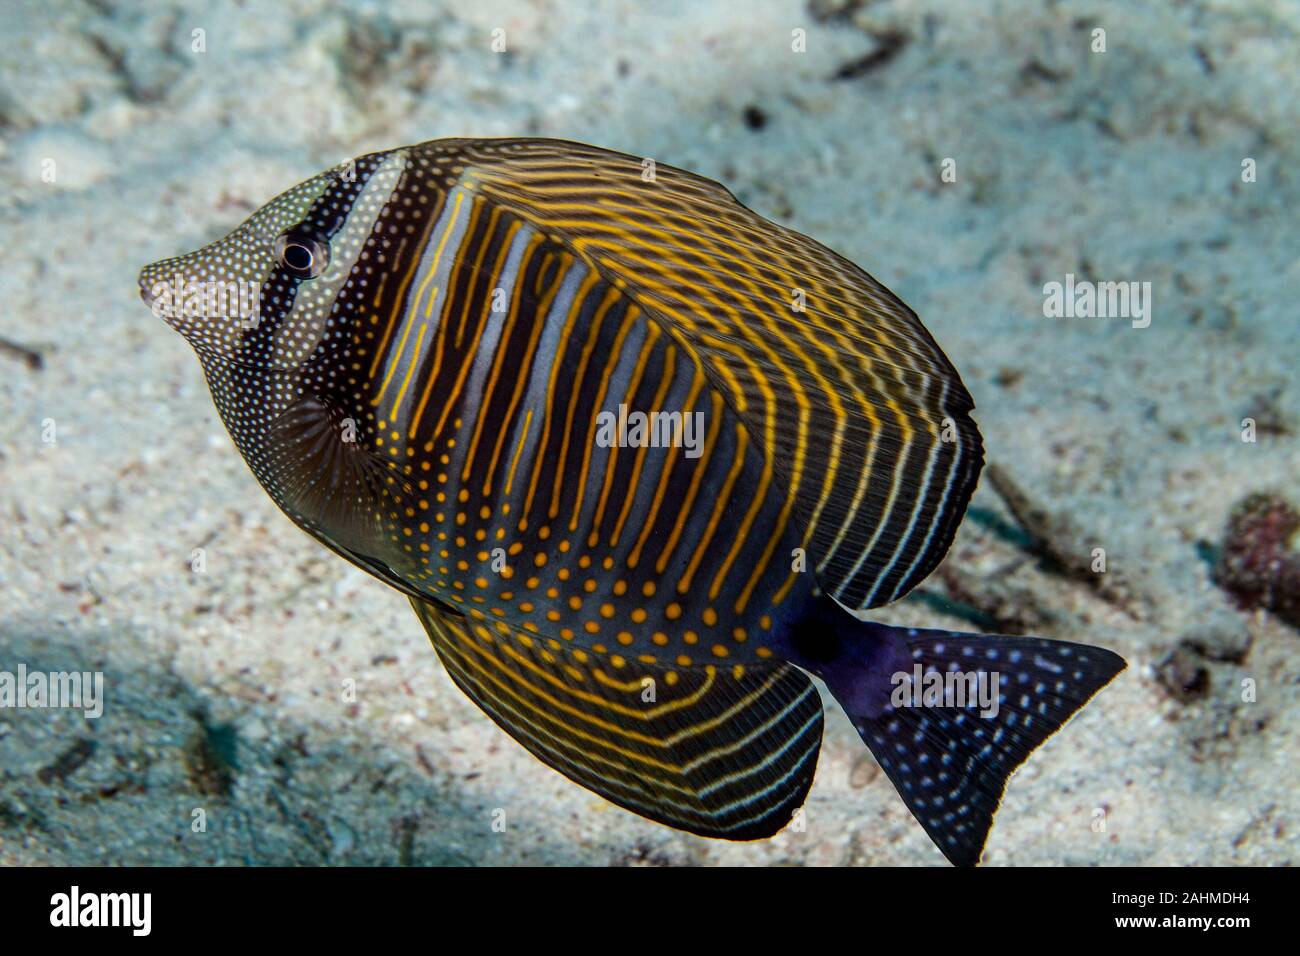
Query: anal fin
{"x": 711, "y": 751}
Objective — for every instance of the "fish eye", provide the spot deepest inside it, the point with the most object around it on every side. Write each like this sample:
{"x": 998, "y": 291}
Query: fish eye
{"x": 301, "y": 254}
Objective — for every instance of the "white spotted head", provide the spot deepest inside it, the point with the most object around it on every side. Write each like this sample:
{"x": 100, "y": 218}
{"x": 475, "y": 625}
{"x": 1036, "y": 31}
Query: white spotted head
{"x": 264, "y": 296}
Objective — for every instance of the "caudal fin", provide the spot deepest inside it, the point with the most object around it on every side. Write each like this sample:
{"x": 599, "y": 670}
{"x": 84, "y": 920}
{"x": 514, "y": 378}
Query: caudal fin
{"x": 950, "y": 755}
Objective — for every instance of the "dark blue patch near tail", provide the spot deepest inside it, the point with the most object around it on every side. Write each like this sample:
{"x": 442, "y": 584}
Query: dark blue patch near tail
{"x": 950, "y": 763}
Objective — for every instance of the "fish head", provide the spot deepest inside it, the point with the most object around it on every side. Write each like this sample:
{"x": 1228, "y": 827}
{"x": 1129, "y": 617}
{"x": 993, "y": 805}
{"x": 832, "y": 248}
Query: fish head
{"x": 266, "y": 295}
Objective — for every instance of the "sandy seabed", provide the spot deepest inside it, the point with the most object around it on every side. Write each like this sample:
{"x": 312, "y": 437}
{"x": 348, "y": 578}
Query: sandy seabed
{"x": 222, "y": 687}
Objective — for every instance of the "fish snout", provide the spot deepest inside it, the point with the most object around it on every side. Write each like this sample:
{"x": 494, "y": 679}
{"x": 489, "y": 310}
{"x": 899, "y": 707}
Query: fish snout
{"x": 160, "y": 290}
{"x": 147, "y": 282}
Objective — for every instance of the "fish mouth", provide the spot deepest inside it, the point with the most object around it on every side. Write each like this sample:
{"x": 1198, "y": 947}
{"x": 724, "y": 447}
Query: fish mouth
{"x": 157, "y": 285}
{"x": 146, "y": 280}
{"x": 146, "y": 294}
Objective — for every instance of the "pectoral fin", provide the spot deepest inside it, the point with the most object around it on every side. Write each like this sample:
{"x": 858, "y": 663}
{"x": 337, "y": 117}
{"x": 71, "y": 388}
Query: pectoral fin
{"x": 329, "y": 478}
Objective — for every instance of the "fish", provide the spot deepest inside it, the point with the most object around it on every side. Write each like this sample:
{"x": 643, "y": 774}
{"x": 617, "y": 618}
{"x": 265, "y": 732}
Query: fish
{"x": 641, "y": 460}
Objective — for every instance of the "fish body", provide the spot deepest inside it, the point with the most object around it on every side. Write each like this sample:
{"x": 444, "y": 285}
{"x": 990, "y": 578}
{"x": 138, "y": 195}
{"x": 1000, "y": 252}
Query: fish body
{"x": 637, "y": 456}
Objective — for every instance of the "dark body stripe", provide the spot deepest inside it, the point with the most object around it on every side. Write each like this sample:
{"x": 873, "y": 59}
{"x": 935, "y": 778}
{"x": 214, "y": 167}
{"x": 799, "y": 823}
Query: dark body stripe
{"x": 635, "y": 552}
{"x": 550, "y": 285}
